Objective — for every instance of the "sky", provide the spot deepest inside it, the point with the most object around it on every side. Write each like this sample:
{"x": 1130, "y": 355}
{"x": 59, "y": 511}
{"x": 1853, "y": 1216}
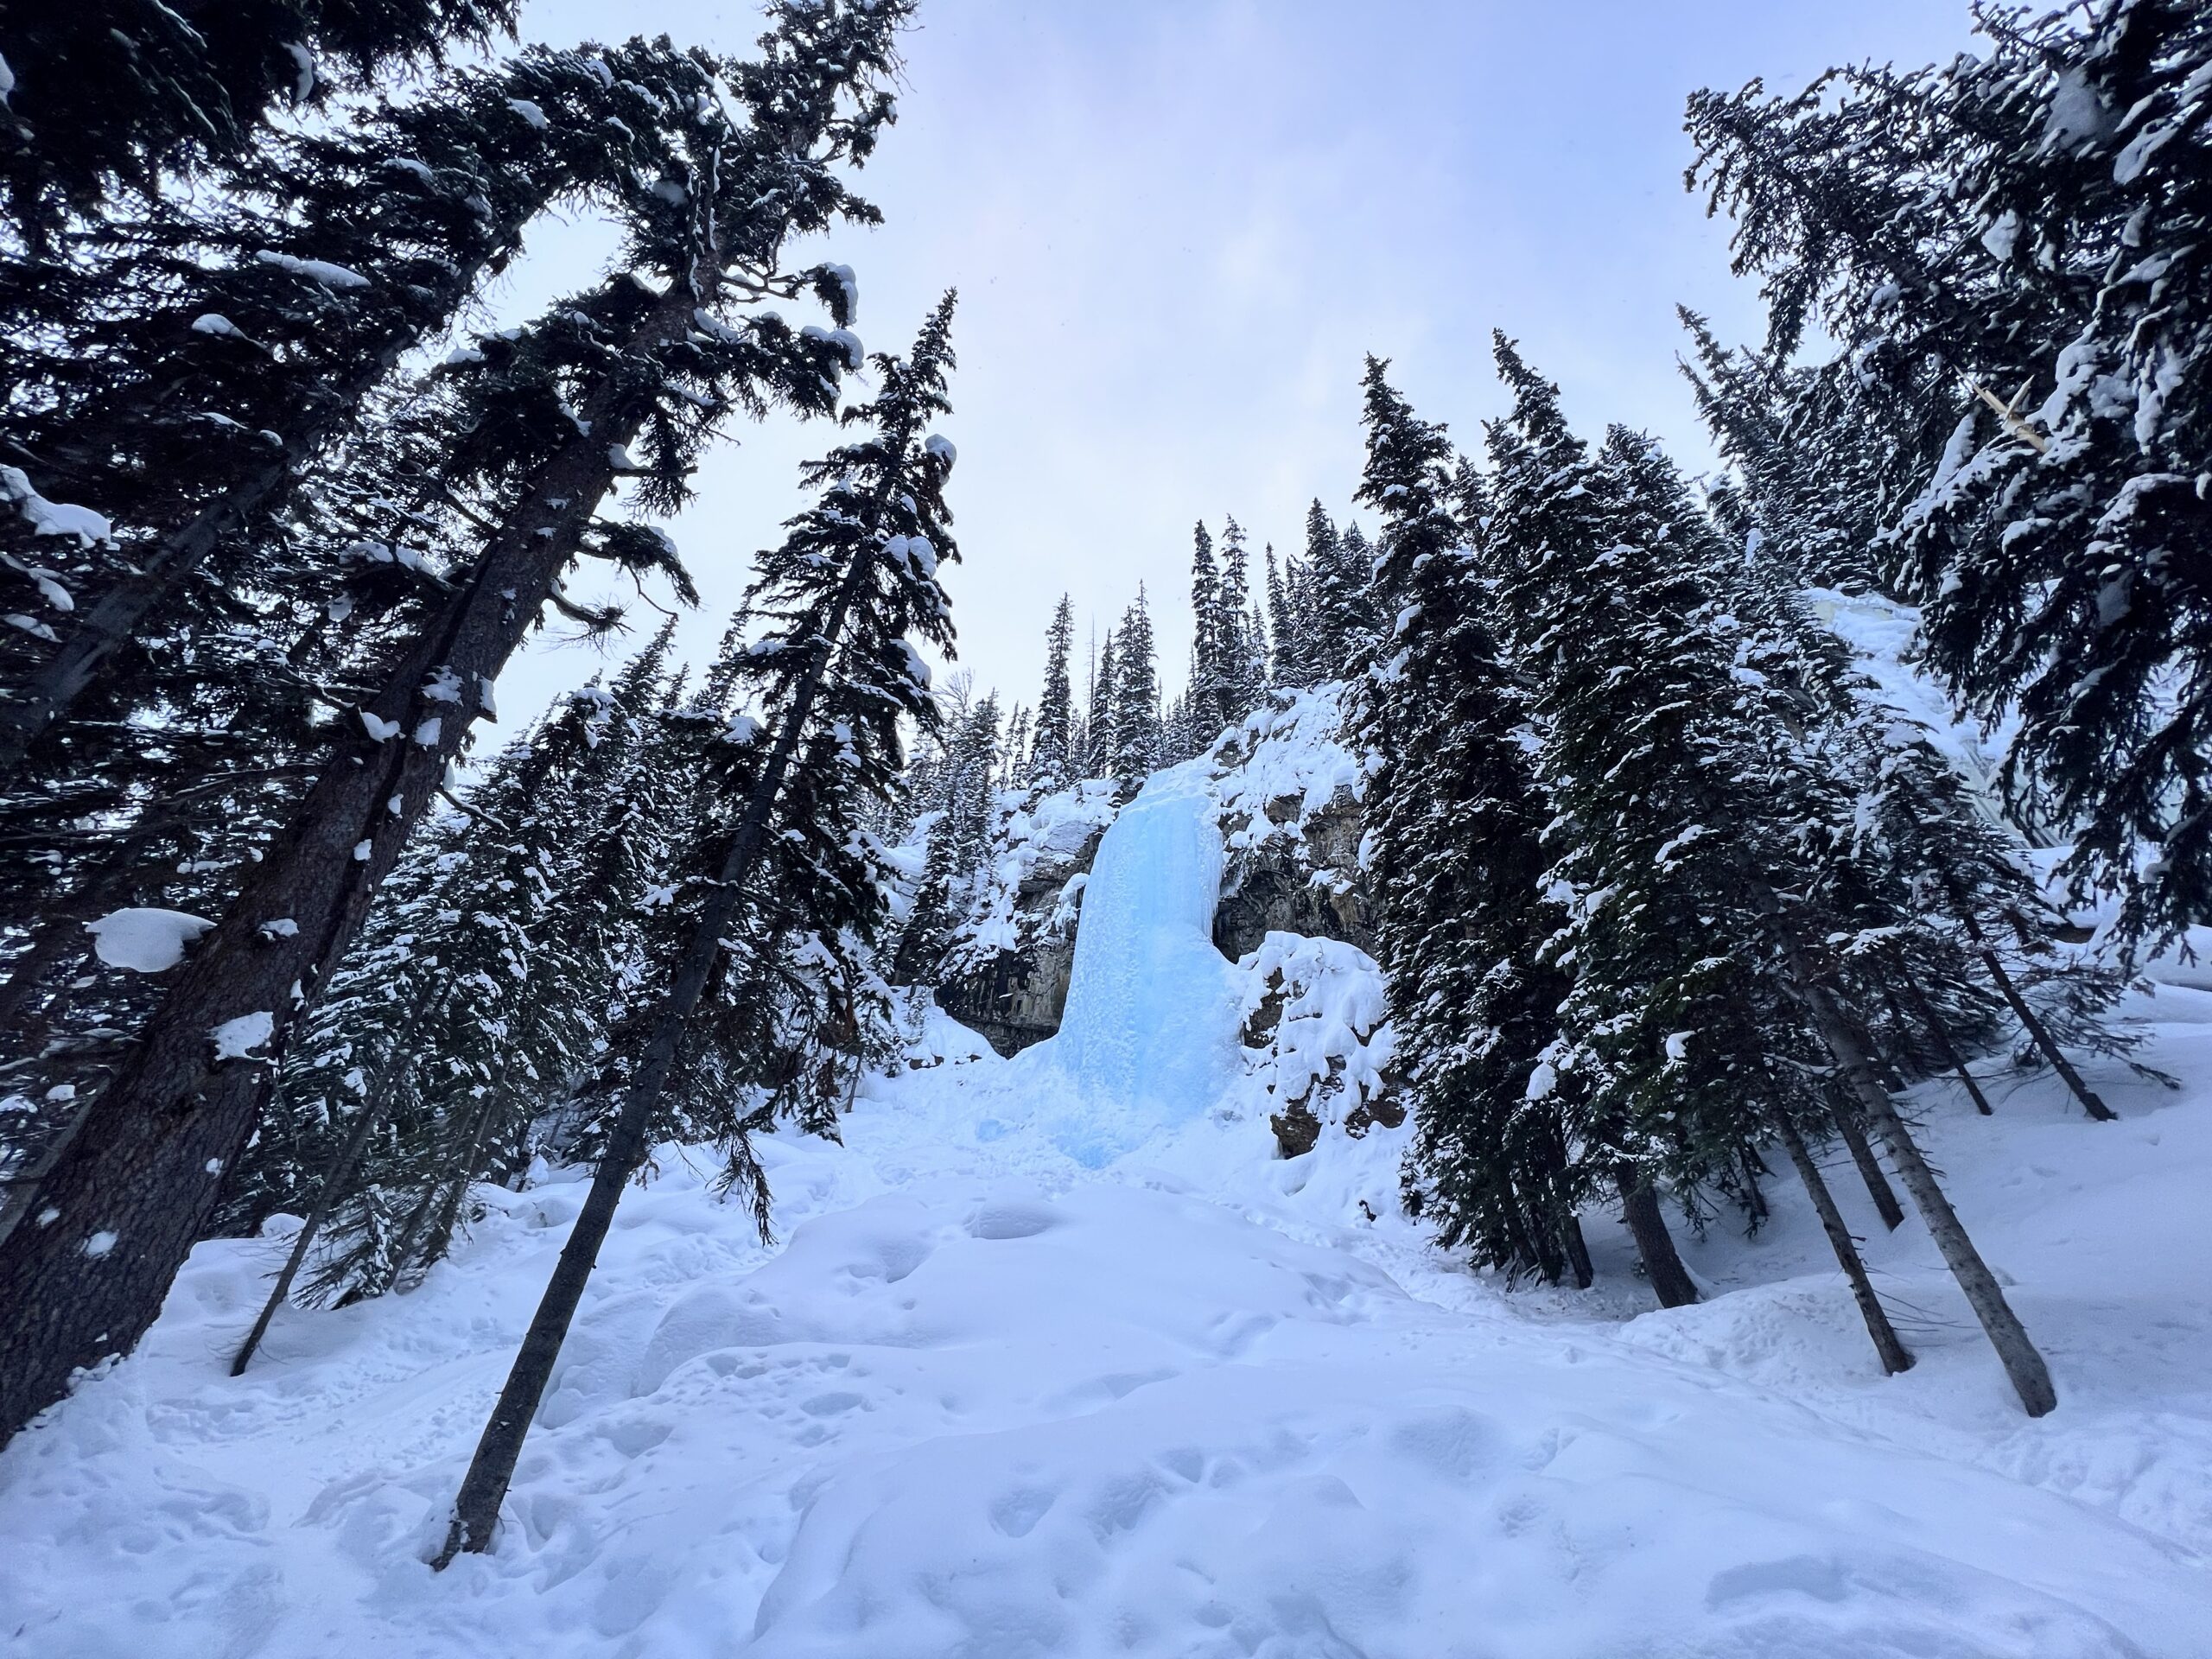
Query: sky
{"x": 1178, "y": 226}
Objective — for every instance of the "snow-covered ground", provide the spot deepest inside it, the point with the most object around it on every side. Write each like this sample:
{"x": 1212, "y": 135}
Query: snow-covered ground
{"x": 986, "y": 1399}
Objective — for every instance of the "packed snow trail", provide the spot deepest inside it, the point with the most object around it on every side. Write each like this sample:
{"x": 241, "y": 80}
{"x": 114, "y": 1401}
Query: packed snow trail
{"x": 1147, "y": 1039}
{"x": 995, "y": 1398}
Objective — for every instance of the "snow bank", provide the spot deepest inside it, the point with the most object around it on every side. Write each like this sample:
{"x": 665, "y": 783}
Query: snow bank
{"x": 983, "y": 1400}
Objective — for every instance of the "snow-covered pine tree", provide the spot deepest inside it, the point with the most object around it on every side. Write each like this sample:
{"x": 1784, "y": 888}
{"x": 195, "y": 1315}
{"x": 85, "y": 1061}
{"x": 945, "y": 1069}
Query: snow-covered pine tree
{"x": 1013, "y": 761}
{"x": 633, "y": 360}
{"x": 852, "y": 584}
{"x": 1242, "y": 652}
{"x": 1817, "y": 476}
{"x": 182, "y": 386}
{"x": 1209, "y": 683}
{"x": 1287, "y": 661}
{"x": 1100, "y": 725}
{"x": 101, "y": 99}
{"x": 1453, "y": 826}
{"x": 1136, "y": 696}
{"x": 1052, "y": 752}
{"x": 2016, "y": 241}
{"x": 1713, "y": 924}
{"x": 472, "y": 999}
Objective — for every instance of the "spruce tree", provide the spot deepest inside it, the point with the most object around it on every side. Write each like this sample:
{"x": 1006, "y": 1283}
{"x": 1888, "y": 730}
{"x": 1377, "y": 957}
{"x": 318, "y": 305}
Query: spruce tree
{"x": 1716, "y": 918}
{"x": 1210, "y": 668}
{"x": 1052, "y": 752}
{"x": 866, "y": 559}
{"x": 1453, "y": 824}
{"x": 1135, "y": 696}
{"x": 1101, "y": 725}
{"x": 182, "y": 387}
{"x": 2042, "y": 363}
{"x": 1243, "y": 648}
{"x": 105, "y": 97}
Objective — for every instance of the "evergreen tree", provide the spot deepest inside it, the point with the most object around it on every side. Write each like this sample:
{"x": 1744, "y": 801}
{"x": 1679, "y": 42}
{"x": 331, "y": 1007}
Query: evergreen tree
{"x": 2058, "y": 539}
{"x": 1242, "y": 650}
{"x": 1103, "y": 725}
{"x": 1453, "y": 822}
{"x": 1210, "y": 665}
{"x": 1287, "y": 665}
{"x": 102, "y": 97}
{"x": 553, "y": 413}
{"x": 1136, "y": 696}
{"x": 182, "y": 386}
{"x": 864, "y": 560}
{"x": 1052, "y": 752}
{"x": 1715, "y": 921}
{"x": 1347, "y": 620}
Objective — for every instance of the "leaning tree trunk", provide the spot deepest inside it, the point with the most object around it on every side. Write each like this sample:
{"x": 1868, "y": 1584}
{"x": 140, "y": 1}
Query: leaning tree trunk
{"x": 133, "y": 1190}
{"x": 1894, "y": 1355}
{"x": 2039, "y": 1032}
{"x": 1670, "y": 1280}
{"x": 1852, "y": 1134}
{"x": 2031, "y": 1377}
{"x": 1949, "y": 1049}
{"x": 390, "y": 1068}
{"x": 1577, "y": 1251}
{"x": 476, "y": 1509}
{"x": 334, "y": 1178}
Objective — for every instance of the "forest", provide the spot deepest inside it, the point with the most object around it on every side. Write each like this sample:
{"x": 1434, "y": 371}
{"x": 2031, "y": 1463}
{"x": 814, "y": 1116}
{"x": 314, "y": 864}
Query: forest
{"x": 1582, "y": 893}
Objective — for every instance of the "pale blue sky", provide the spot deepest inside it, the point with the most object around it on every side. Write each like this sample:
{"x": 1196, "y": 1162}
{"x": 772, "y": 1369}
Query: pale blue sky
{"x": 1177, "y": 224}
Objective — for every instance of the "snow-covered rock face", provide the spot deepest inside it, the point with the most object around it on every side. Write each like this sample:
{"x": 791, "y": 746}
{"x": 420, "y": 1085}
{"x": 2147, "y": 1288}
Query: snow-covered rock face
{"x": 1288, "y": 793}
{"x": 1290, "y": 800}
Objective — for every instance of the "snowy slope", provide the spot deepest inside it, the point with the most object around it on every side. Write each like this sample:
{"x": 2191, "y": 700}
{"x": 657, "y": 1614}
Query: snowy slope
{"x": 1057, "y": 1358}
{"x": 986, "y": 1401}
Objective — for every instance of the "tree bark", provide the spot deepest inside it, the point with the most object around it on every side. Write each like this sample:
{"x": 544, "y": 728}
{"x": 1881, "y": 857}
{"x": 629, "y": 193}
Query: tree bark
{"x": 1890, "y": 1349}
{"x": 2031, "y": 1377}
{"x": 476, "y": 1508}
{"x": 134, "y": 1189}
{"x": 1670, "y": 1280}
{"x": 1853, "y": 1135}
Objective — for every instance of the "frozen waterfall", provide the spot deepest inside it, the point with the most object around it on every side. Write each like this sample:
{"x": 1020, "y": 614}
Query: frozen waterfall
{"x": 1148, "y": 1035}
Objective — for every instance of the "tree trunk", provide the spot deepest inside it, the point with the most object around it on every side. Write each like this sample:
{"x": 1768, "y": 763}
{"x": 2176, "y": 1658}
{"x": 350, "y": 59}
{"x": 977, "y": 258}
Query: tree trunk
{"x": 145, "y": 1169}
{"x": 476, "y": 1509}
{"x": 1853, "y": 1135}
{"x": 1894, "y": 1355}
{"x": 2029, "y": 1376}
{"x": 1578, "y": 1252}
{"x": 440, "y": 1237}
{"x": 2037, "y": 1032}
{"x": 1952, "y": 1058}
{"x": 390, "y": 1067}
{"x": 340, "y": 1167}
{"x": 1670, "y": 1280}
{"x": 2040, "y": 1033}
